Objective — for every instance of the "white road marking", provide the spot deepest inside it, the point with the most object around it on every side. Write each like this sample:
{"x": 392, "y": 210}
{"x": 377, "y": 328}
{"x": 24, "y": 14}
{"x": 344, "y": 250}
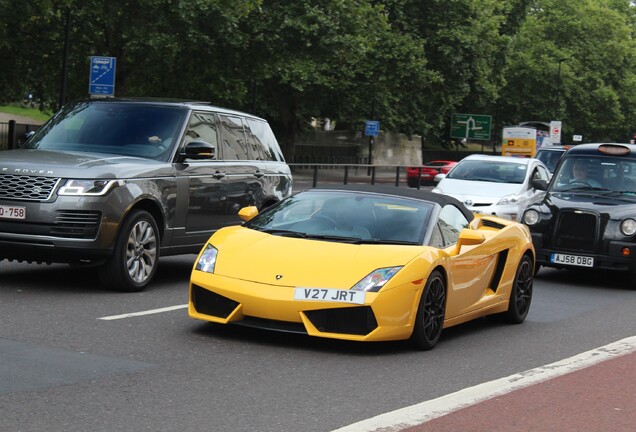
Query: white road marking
{"x": 148, "y": 312}
{"x": 421, "y": 413}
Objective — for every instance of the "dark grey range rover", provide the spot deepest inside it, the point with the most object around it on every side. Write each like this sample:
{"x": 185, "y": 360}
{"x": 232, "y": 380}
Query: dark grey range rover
{"x": 116, "y": 183}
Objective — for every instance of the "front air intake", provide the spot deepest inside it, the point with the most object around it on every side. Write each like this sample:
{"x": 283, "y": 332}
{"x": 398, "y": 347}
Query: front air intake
{"x": 353, "y": 320}
{"x": 211, "y": 303}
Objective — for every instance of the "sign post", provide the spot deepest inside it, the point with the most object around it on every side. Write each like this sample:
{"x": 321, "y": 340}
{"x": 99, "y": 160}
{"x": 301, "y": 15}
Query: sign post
{"x": 555, "y": 132}
{"x": 371, "y": 129}
{"x": 102, "y": 76}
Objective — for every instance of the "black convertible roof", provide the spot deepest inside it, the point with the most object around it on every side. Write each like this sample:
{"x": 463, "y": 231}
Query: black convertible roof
{"x": 440, "y": 199}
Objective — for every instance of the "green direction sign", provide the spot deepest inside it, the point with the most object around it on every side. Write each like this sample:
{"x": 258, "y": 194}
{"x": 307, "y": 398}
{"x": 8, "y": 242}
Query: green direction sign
{"x": 471, "y": 126}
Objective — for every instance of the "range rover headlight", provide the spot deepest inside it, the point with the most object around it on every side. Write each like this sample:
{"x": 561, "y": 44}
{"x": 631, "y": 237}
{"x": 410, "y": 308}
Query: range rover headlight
{"x": 530, "y": 217}
{"x": 207, "y": 259}
{"x": 88, "y": 187}
{"x": 628, "y": 227}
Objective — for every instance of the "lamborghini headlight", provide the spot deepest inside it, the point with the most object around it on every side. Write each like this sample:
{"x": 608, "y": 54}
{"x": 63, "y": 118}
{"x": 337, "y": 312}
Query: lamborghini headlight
{"x": 88, "y": 187}
{"x": 376, "y": 279}
{"x": 207, "y": 259}
{"x": 628, "y": 227}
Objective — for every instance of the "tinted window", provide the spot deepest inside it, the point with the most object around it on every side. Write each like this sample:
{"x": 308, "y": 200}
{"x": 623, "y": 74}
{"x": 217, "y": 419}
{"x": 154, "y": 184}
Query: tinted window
{"x": 550, "y": 158}
{"x": 233, "y": 138}
{"x": 489, "y": 171}
{"x": 263, "y": 144}
{"x": 127, "y": 129}
{"x": 202, "y": 127}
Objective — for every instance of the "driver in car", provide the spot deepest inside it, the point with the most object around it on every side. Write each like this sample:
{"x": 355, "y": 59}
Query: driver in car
{"x": 581, "y": 174}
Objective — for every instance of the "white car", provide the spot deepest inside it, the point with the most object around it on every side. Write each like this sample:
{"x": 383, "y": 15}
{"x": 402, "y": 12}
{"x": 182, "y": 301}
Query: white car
{"x": 494, "y": 185}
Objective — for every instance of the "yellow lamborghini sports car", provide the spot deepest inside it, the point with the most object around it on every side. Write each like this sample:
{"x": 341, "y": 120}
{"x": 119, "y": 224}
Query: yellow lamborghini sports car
{"x": 364, "y": 263}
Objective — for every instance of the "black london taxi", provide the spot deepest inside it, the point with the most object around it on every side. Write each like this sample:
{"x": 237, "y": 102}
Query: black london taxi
{"x": 587, "y": 218}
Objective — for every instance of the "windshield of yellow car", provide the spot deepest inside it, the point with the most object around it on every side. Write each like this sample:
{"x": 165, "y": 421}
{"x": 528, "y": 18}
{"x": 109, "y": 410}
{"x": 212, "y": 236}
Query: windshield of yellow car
{"x": 347, "y": 217}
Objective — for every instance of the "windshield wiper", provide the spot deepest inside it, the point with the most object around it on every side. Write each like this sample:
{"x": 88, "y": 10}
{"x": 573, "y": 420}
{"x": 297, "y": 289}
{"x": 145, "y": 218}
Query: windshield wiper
{"x": 284, "y": 233}
{"x": 380, "y": 241}
{"x": 584, "y": 188}
{"x": 625, "y": 193}
{"x": 342, "y": 239}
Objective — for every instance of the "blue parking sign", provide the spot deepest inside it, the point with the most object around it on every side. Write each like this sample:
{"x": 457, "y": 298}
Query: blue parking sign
{"x": 372, "y": 128}
{"x": 102, "y": 76}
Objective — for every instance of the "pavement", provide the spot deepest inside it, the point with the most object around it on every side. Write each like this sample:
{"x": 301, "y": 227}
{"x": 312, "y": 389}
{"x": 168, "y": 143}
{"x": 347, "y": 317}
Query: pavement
{"x": 590, "y": 392}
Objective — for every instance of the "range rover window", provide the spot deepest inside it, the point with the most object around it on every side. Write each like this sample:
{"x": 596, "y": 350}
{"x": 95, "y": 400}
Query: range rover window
{"x": 262, "y": 142}
{"x": 266, "y": 136}
{"x": 233, "y": 138}
{"x": 138, "y": 130}
{"x": 202, "y": 127}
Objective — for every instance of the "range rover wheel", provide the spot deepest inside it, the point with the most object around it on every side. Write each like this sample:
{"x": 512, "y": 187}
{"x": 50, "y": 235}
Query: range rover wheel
{"x": 135, "y": 255}
{"x": 430, "y": 314}
{"x": 521, "y": 295}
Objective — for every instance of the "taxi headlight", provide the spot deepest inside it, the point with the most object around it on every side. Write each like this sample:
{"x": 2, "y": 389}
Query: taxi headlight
{"x": 530, "y": 217}
{"x": 628, "y": 227}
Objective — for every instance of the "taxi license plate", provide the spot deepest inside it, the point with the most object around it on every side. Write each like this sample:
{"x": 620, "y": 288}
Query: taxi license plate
{"x": 575, "y": 260}
{"x": 12, "y": 212}
{"x": 329, "y": 295}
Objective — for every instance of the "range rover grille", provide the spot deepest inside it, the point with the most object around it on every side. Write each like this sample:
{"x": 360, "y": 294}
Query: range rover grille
{"x": 27, "y": 188}
{"x": 576, "y": 230}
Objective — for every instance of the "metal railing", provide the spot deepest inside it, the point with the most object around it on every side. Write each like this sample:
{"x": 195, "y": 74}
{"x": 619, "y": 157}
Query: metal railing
{"x": 311, "y": 175}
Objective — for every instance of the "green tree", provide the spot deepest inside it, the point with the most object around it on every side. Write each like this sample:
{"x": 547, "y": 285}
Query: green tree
{"x": 583, "y": 52}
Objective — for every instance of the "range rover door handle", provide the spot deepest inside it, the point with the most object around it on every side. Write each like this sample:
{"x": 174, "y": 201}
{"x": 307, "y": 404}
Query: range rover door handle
{"x": 218, "y": 175}
{"x": 258, "y": 174}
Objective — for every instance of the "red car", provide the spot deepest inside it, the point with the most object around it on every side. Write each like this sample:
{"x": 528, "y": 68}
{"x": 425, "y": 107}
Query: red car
{"x": 429, "y": 171}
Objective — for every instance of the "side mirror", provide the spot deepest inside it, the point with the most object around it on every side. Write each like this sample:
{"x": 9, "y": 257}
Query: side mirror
{"x": 199, "y": 150}
{"x": 439, "y": 177}
{"x": 23, "y": 138}
{"x": 247, "y": 213}
{"x": 468, "y": 237}
{"x": 539, "y": 184}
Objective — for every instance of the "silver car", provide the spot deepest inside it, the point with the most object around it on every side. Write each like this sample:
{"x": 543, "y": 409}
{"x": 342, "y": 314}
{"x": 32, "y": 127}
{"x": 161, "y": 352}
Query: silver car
{"x": 116, "y": 183}
{"x": 494, "y": 185}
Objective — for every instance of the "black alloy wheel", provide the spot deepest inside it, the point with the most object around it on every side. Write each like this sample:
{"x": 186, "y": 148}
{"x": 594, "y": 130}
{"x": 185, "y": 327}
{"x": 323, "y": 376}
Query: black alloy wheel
{"x": 521, "y": 295}
{"x": 430, "y": 314}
